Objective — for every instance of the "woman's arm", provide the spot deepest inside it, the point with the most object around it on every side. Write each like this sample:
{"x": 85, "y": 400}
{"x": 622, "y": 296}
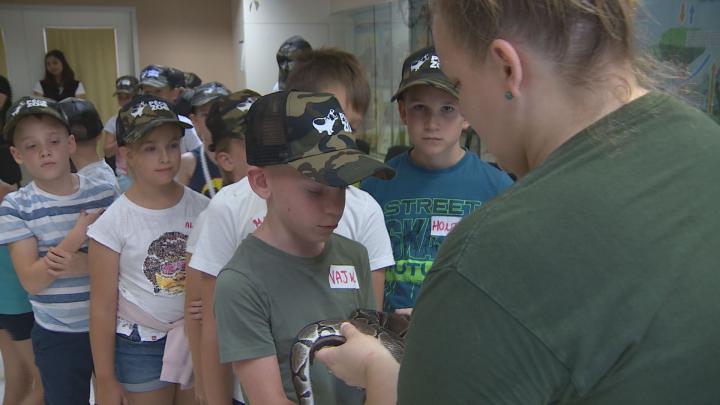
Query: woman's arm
{"x": 104, "y": 273}
{"x": 364, "y": 362}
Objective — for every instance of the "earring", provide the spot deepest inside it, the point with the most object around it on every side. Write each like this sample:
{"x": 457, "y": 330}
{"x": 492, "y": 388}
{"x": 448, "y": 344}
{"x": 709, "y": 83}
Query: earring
{"x": 508, "y": 95}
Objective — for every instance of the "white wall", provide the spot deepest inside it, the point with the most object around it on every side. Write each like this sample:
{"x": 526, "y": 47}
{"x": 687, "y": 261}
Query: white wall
{"x": 267, "y": 27}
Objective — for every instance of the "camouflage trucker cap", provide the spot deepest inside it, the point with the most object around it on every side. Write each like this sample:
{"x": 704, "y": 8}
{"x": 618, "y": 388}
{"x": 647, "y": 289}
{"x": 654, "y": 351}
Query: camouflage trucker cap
{"x": 126, "y": 85}
{"x": 226, "y": 118}
{"x": 423, "y": 67}
{"x": 143, "y": 114}
{"x": 308, "y": 131}
{"x": 31, "y": 105}
{"x": 207, "y": 92}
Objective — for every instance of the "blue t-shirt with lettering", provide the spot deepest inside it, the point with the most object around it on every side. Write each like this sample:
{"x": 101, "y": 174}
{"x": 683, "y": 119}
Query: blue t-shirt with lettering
{"x": 421, "y": 206}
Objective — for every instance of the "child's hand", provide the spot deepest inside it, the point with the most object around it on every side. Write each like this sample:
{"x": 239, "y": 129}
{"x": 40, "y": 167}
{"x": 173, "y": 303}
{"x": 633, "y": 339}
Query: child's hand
{"x": 86, "y": 218}
{"x": 61, "y": 263}
{"x": 110, "y": 392}
{"x": 350, "y": 361}
{"x": 195, "y": 310}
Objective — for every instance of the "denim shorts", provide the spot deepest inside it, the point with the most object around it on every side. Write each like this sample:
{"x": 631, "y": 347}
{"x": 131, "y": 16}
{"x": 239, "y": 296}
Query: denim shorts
{"x": 137, "y": 363}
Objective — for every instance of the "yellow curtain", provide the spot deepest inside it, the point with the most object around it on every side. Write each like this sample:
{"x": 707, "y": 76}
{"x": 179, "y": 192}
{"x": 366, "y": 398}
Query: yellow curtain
{"x": 3, "y": 62}
{"x": 91, "y": 54}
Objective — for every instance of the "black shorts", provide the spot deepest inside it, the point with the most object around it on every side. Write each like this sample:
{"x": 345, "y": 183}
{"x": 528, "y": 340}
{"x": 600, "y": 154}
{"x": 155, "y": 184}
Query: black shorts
{"x": 19, "y": 326}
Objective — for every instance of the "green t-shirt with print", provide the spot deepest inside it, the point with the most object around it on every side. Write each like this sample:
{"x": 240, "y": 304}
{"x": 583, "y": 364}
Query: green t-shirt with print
{"x": 264, "y": 297}
{"x": 593, "y": 280}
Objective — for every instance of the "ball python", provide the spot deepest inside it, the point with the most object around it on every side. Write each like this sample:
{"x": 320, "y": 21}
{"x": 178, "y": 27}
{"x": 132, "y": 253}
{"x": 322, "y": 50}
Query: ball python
{"x": 389, "y": 328}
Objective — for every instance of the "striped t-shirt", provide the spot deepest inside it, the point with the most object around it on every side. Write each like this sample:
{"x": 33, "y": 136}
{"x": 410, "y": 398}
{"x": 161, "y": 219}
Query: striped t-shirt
{"x": 31, "y": 212}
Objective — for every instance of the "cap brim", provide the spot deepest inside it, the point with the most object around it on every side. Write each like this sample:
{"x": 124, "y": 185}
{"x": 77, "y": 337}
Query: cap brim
{"x": 156, "y": 123}
{"x": 122, "y": 91}
{"x": 154, "y": 83}
{"x": 441, "y": 84}
{"x": 342, "y": 168}
{"x": 10, "y": 126}
{"x": 200, "y": 101}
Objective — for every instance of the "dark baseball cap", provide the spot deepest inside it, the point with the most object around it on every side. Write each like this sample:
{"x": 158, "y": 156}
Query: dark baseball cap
{"x": 142, "y": 114}
{"x": 84, "y": 120}
{"x": 154, "y": 76}
{"x": 207, "y": 92}
{"x": 308, "y": 131}
{"x": 126, "y": 85}
{"x": 30, "y": 105}
{"x": 226, "y": 118}
{"x": 423, "y": 67}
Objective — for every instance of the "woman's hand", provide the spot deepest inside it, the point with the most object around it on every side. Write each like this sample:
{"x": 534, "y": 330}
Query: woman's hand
{"x": 110, "y": 392}
{"x": 355, "y": 360}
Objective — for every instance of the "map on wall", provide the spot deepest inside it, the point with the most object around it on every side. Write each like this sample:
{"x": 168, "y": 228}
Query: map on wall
{"x": 687, "y": 33}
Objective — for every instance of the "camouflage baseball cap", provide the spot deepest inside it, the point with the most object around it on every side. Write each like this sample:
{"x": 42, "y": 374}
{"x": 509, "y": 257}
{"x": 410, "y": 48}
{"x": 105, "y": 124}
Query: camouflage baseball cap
{"x": 84, "y": 120}
{"x": 31, "y": 105}
{"x": 423, "y": 67}
{"x": 308, "y": 131}
{"x": 154, "y": 76}
{"x": 126, "y": 85}
{"x": 226, "y": 118}
{"x": 207, "y": 92}
{"x": 143, "y": 114}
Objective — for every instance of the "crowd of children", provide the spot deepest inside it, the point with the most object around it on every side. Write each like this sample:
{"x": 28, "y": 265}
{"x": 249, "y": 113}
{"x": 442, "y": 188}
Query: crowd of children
{"x": 184, "y": 276}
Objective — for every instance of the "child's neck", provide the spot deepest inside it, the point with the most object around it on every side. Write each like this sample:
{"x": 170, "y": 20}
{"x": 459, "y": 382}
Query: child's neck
{"x": 85, "y": 156}
{"x": 444, "y": 160}
{"x": 66, "y": 184}
{"x": 155, "y": 197}
{"x": 278, "y": 236}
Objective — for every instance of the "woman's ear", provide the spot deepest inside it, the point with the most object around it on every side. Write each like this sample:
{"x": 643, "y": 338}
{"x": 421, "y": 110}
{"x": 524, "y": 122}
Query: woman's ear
{"x": 506, "y": 61}
{"x": 258, "y": 179}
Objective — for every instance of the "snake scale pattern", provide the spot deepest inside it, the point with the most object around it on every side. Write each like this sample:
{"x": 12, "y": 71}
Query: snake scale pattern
{"x": 390, "y": 329}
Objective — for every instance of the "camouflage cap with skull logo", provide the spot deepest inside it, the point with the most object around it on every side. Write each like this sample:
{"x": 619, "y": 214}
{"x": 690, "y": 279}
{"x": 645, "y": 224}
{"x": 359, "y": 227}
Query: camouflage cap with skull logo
{"x": 308, "y": 131}
{"x": 143, "y": 114}
{"x": 423, "y": 67}
{"x": 226, "y": 118}
{"x": 31, "y": 105}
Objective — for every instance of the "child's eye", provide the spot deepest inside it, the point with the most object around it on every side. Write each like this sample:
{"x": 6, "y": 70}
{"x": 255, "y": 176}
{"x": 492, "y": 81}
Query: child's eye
{"x": 31, "y": 146}
{"x": 418, "y": 107}
{"x": 149, "y": 149}
{"x": 314, "y": 192}
{"x": 448, "y": 108}
{"x": 175, "y": 145}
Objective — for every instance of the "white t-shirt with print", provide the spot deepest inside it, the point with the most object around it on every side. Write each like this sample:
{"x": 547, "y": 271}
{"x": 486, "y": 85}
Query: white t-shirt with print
{"x": 236, "y": 211}
{"x": 151, "y": 244}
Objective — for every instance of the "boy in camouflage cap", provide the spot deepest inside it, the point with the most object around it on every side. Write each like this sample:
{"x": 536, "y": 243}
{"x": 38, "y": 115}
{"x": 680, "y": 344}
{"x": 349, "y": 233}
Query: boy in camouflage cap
{"x": 304, "y": 156}
{"x": 198, "y": 169}
{"x": 435, "y": 169}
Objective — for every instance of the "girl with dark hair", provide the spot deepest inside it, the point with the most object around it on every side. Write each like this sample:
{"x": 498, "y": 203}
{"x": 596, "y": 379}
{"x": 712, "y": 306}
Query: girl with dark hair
{"x": 59, "y": 82}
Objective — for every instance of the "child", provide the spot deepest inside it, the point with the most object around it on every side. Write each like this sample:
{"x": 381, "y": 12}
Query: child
{"x": 236, "y": 211}
{"x": 137, "y": 266}
{"x": 437, "y": 182}
{"x": 44, "y": 225}
{"x": 85, "y": 126}
{"x": 225, "y": 121}
{"x": 167, "y": 83}
{"x": 283, "y": 275}
{"x": 198, "y": 169}
{"x": 126, "y": 87}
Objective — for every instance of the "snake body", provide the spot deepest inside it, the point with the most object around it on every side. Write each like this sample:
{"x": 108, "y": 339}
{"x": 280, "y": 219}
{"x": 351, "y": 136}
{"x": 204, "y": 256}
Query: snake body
{"x": 390, "y": 329}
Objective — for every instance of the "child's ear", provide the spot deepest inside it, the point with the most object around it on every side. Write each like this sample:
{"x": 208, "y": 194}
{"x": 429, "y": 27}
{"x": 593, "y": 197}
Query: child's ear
{"x": 225, "y": 162}
{"x": 72, "y": 145}
{"x": 465, "y": 124}
{"x": 402, "y": 111}
{"x": 258, "y": 179}
{"x": 16, "y": 155}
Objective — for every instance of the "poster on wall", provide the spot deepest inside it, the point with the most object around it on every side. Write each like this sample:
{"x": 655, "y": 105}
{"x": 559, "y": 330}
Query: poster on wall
{"x": 687, "y": 33}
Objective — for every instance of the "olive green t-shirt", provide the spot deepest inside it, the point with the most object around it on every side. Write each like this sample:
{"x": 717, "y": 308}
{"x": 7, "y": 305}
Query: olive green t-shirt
{"x": 264, "y": 297}
{"x": 593, "y": 280}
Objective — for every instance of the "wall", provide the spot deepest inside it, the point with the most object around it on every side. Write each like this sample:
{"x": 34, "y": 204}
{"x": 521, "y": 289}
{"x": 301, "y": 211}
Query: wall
{"x": 267, "y": 27}
{"x": 191, "y": 35}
